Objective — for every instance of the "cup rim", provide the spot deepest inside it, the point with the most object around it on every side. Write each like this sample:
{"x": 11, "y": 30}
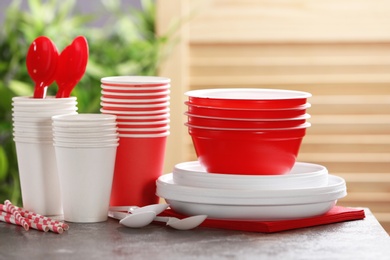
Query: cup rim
{"x": 151, "y": 129}
{"x": 165, "y": 104}
{"x": 165, "y": 134}
{"x": 160, "y": 122}
{"x": 132, "y": 88}
{"x": 123, "y": 112}
{"x": 135, "y": 80}
{"x": 47, "y": 99}
{"x": 118, "y": 101}
{"x": 84, "y": 117}
{"x": 85, "y": 147}
{"x": 120, "y": 94}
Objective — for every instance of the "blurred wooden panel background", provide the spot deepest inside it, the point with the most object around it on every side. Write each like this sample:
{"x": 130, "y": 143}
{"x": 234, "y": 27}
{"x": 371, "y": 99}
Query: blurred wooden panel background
{"x": 339, "y": 50}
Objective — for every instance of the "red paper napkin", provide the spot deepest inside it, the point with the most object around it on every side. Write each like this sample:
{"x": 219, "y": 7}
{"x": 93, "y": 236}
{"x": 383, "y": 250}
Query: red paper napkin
{"x": 335, "y": 215}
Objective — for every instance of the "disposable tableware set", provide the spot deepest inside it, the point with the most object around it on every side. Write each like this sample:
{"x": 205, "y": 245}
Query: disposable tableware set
{"x": 88, "y": 167}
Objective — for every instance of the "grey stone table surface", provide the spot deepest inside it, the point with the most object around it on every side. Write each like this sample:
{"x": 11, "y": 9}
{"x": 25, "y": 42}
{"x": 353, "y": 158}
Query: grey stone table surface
{"x": 361, "y": 239}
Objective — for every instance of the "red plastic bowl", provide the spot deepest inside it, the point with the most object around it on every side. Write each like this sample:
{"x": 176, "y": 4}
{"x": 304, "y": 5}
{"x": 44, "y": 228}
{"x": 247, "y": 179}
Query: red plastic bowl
{"x": 247, "y": 152}
{"x": 242, "y": 123}
{"x": 247, "y": 113}
{"x": 248, "y": 98}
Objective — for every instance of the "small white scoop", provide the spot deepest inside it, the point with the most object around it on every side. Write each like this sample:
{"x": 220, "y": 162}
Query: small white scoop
{"x": 156, "y": 208}
{"x": 138, "y": 217}
{"x": 138, "y": 220}
{"x": 182, "y": 224}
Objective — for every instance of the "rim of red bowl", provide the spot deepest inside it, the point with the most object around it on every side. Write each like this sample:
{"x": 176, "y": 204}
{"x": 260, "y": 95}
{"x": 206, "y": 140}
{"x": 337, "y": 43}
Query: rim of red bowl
{"x": 216, "y": 94}
{"x": 305, "y": 125}
{"x": 248, "y": 97}
{"x": 305, "y": 116}
{"x": 299, "y": 107}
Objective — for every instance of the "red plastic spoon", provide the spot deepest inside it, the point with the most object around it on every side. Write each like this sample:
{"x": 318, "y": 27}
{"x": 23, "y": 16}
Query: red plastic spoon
{"x": 72, "y": 65}
{"x": 41, "y": 62}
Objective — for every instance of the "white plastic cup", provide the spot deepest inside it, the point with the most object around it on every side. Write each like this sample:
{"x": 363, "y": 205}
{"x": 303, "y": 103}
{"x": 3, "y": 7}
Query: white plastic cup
{"x": 35, "y": 152}
{"x": 38, "y": 177}
{"x": 86, "y": 178}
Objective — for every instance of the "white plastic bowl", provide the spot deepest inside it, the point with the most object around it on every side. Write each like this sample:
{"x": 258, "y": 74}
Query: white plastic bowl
{"x": 302, "y": 175}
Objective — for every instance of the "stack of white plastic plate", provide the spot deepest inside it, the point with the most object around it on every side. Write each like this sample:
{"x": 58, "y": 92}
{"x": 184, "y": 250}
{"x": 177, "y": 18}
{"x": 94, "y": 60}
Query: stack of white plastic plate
{"x": 308, "y": 190}
{"x": 302, "y": 175}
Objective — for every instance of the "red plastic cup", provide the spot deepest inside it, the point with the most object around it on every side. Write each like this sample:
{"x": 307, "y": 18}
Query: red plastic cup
{"x": 139, "y": 163}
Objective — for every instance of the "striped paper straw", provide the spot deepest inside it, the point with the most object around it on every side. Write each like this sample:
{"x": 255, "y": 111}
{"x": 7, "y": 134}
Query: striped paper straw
{"x": 11, "y": 209}
{"x": 56, "y": 228}
{"x": 9, "y": 218}
{"x": 31, "y": 215}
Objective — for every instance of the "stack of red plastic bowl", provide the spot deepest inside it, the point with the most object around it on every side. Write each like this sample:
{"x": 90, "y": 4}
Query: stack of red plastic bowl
{"x": 247, "y": 131}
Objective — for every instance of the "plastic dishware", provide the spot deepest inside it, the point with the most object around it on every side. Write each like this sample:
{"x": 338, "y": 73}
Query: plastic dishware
{"x": 248, "y": 113}
{"x": 149, "y": 95}
{"x": 138, "y": 220}
{"x": 144, "y": 218}
{"x": 247, "y": 151}
{"x": 135, "y": 80}
{"x": 71, "y": 66}
{"x": 182, "y": 224}
{"x": 135, "y": 107}
{"x": 41, "y": 61}
{"x": 302, "y": 175}
{"x": 242, "y": 123}
{"x": 134, "y": 89}
{"x": 139, "y": 162}
{"x": 156, "y": 208}
{"x": 85, "y": 175}
{"x": 257, "y": 98}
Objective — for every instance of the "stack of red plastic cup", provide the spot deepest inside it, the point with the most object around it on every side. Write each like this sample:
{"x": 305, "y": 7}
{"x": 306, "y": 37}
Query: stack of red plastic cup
{"x": 141, "y": 104}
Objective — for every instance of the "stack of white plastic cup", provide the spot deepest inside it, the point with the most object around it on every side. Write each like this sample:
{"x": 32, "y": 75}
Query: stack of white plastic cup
{"x": 85, "y": 149}
{"x": 37, "y": 164}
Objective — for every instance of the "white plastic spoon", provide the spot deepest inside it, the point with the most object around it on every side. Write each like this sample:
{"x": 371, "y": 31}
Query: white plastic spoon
{"x": 138, "y": 220}
{"x": 156, "y": 208}
{"x": 182, "y": 224}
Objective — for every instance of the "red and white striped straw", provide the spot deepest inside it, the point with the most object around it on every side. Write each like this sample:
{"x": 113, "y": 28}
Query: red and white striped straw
{"x": 9, "y": 218}
{"x": 56, "y": 228}
{"x": 31, "y": 215}
{"x": 11, "y": 209}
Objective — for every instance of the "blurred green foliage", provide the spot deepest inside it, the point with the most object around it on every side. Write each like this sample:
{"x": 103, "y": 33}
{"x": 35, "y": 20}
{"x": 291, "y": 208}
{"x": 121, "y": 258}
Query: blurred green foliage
{"x": 126, "y": 44}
